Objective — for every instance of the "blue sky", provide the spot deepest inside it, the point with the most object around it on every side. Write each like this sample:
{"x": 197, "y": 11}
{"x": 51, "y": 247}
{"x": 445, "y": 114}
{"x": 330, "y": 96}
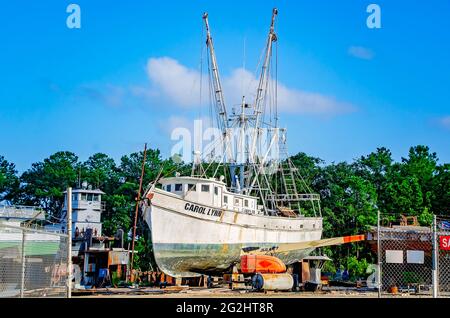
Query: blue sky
{"x": 94, "y": 90}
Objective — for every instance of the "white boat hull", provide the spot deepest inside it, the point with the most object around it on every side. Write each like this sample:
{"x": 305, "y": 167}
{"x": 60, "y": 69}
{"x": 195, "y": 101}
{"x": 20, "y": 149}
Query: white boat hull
{"x": 190, "y": 239}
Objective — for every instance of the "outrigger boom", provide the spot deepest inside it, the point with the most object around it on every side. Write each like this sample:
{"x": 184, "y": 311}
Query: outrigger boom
{"x": 286, "y": 247}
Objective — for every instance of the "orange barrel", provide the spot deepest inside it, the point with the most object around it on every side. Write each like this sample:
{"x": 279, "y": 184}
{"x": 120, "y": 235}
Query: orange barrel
{"x": 282, "y": 281}
{"x": 251, "y": 264}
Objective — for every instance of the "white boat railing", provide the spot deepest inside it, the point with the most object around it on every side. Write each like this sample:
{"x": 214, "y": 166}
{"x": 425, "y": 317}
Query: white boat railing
{"x": 21, "y": 212}
{"x": 294, "y": 197}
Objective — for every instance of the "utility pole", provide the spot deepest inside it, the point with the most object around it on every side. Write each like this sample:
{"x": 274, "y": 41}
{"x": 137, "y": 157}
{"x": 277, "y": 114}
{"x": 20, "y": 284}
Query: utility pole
{"x": 379, "y": 253}
{"x": 22, "y": 277}
{"x": 138, "y": 198}
{"x": 435, "y": 259}
{"x": 69, "y": 242}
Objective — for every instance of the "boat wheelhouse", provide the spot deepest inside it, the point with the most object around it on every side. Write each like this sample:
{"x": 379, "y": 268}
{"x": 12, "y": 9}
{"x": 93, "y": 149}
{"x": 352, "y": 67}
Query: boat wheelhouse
{"x": 211, "y": 192}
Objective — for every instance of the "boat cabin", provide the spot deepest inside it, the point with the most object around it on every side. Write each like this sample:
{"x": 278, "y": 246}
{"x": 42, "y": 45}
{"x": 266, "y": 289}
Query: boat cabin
{"x": 211, "y": 192}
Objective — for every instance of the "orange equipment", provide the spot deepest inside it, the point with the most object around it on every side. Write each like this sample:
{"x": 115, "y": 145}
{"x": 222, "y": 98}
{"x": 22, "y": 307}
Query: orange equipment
{"x": 251, "y": 264}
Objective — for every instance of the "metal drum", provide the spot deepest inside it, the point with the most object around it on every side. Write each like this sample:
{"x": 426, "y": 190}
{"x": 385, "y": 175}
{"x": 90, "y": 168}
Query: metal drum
{"x": 282, "y": 281}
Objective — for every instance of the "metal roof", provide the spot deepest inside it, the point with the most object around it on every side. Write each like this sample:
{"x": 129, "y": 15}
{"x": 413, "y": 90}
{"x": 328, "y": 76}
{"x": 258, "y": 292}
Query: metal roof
{"x": 96, "y": 191}
{"x": 188, "y": 178}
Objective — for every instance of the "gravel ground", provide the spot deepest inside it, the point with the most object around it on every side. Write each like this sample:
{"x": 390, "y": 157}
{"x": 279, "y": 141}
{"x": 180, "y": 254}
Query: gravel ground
{"x": 193, "y": 292}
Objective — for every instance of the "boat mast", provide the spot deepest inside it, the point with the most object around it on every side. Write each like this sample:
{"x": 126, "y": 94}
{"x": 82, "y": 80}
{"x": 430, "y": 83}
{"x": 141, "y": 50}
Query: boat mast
{"x": 263, "y": 82}
{"x": 218, "y": 93}
{"x": 219, "y": 100}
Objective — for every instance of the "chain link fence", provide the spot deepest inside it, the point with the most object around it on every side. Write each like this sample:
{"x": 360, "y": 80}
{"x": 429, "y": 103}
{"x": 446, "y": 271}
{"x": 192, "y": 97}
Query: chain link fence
{"x": 33, "y": 262}
{"x": 443, "y": 244}
{"x": 406, "y": 261}
{"x": 409, "y": 255}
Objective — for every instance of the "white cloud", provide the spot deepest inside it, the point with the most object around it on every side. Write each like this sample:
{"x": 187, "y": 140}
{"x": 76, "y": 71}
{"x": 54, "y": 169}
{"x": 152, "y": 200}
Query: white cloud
{"x": 171, "y": 123}
{"x": 181, "y": 85}
{"x": 142, "y": 92}
{"x": 361, "y": 52}
{"x": 175, "y": 81}
{"x": 289, "y": 100}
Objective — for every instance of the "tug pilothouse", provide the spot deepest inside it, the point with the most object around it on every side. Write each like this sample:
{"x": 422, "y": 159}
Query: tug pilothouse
{"x": 210, "y": 192}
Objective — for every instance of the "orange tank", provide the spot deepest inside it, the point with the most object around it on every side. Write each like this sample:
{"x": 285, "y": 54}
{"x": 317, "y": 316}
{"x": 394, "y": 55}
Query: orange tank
{"x": 251, "y": 264}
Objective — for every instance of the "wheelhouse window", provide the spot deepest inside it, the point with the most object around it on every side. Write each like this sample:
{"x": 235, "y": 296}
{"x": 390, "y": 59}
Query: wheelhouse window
{"x": 178, "y": 187}
{"x": 246, "y": 203}
{"x": 169, "y": 187}
{"x": 216, "y": 190}
{"x": 236, "y": 202}
{"x": 83, "y": 196}
{"x": 205, "y": 187}
{"x": 225, "y": 199}
{"x": 191, "y": 187}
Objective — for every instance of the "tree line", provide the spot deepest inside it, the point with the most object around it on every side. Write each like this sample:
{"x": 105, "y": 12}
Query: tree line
{"x": 351, "y": 193}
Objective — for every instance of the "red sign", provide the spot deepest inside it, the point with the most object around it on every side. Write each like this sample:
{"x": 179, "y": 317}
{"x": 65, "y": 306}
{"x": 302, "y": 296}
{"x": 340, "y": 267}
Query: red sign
{"x": 444, "y": 242}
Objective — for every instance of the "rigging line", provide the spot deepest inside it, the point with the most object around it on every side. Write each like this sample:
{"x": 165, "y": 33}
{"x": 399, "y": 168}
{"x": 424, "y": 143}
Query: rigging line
{"x": 260, "y": 189}
{"x": 213, "y": 100}
{"x": 223, "y": 158}
{"x": 207, "y": 168}
{"x": 276, "y": 83}
{"x": 269, "y": 100}
{"x": 266, "y": 88}
{"x": 243, "y": 67}
{"x": 256, "y": 73}
{"x": 201, "y": 70}
{"x": 273, "y": 84}
{"x": 210, "y": 108}
{"x": 213, "y": 146}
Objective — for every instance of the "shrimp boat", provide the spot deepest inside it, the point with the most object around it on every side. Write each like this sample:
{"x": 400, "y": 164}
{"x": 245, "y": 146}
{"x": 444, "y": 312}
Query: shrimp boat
{"x": 203, "y": 222}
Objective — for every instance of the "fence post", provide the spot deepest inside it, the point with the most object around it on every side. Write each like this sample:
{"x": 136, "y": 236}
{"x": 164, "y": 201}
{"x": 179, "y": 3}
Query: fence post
{"x": 22, "y": 276}
{"x": 435, "y": 258}
{"x": 69, "y": 242}
{"x": 379, "y": 254}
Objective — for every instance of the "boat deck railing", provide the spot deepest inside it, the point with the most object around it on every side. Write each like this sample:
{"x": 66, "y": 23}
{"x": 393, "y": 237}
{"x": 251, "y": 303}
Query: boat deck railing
{"x": 294, "y": 197}
{"x": 21, "y": 212}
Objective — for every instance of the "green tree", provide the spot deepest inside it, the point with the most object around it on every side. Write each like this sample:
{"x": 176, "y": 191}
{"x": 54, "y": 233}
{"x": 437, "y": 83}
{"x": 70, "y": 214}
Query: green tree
{"x": 9, "y": 182}
{"x": 349, "y": 207}
{"x": 405, "y": 194}
{"x": 117, "y": 214}
{"x": 130, "y": 170}
{"x": 422, "y": 163}
{"x": 130, "y": 166}
{"x": 100, "y": 171}
{"x": 377, "y": 168}
{"x": 308, "y": 166}
{"x": 441, "y": 191}
{"x": 44, "y": 184}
